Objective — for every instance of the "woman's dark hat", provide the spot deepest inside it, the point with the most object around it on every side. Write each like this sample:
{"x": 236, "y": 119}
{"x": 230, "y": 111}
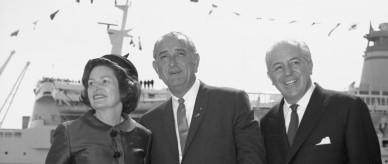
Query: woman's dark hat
{"x": 124, "y": 63}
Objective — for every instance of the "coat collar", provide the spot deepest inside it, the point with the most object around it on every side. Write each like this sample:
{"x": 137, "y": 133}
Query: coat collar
{"x": 198, "y": 115}
{"x": 127, "y": 125}
{"x": 312, "y": 116}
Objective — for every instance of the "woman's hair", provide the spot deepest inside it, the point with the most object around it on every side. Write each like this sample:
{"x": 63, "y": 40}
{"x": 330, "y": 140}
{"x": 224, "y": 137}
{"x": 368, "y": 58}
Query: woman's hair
{"x": 126, "y": 75}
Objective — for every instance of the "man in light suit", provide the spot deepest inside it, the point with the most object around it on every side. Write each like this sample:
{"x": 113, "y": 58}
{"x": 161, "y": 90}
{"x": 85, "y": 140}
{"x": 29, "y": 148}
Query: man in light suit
{"x": 217, "y": 125}
{"x": 312, "y": 125}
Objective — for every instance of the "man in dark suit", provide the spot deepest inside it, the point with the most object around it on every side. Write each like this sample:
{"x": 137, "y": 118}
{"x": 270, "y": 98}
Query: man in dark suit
{"x": 312, "y": 125}
{"x": 199, "y": 124}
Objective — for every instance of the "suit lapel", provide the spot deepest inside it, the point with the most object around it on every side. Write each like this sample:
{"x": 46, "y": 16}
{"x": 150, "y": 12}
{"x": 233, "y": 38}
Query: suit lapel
{"x": 169, "y": 126}
{"x": 198, "y": 115}
{"x": 310, "y": 119}
{"x": 278, "y": 122}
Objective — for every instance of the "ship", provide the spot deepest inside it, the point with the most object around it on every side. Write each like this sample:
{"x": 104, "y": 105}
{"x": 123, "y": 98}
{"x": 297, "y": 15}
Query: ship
{"x": 57, "y": 100}
{"x": 373, "y": 87}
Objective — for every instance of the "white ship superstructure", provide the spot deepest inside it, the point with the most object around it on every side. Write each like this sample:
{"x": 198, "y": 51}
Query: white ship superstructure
{"x": 373, "y": 87}
{"x": 57, "y": 100}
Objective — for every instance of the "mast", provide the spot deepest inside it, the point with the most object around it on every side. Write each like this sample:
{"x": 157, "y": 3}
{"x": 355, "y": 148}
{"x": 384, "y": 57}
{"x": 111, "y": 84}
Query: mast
{"x": 117, "y": 36}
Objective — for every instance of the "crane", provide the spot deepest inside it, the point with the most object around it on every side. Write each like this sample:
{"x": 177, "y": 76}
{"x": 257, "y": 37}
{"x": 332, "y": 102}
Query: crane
{"x": 11, "y": 95}
{"x": 7, "y": 61}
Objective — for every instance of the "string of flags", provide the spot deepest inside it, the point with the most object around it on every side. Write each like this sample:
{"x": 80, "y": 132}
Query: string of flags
{"x": 213, "y": 7}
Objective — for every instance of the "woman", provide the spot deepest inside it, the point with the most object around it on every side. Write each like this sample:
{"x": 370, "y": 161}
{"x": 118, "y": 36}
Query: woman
{"x": 105, "y": 134}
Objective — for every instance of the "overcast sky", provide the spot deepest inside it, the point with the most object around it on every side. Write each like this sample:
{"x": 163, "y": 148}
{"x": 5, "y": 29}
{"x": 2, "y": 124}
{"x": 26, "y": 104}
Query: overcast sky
{"x": 232, "y": 40}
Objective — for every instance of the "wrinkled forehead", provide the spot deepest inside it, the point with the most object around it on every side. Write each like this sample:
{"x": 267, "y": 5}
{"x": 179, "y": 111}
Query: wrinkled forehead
{"x": 170, "y": 41}
{"x": 173, "y": 41}
{"x": 285, "y": 48}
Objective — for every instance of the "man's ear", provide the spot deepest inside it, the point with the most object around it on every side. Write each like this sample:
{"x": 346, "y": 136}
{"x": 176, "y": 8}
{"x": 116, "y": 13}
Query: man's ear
{"x": 196, "y": 61}
{"x": 269, "y": 76}
{"x": 310, "y": 65}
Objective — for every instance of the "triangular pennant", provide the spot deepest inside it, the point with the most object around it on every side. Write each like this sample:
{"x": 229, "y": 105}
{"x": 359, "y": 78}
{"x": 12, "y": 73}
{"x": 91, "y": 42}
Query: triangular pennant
{"x": 34, "y": 24}
{"x": 52, "y": 16}
{"x": 353, "y": 27}
{"x": 194, "y": 1}
{"x": 140, "y": 48}
{"x": 214, "y": 5}
{"x": 77, "y": 1}
{"x": 332, "y": 30}
{"x": 210, "y": 12}
{"x": 291, "y": 22}
{"x": 126, "y": 55}
{"x": 15, "y": 33}
{"x": 236, "y": 13}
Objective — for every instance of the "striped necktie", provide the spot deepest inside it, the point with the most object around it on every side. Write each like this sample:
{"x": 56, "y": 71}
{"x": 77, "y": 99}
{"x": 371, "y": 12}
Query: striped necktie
{"x": 294, "y": 123}
{"x": 183, "y": 126}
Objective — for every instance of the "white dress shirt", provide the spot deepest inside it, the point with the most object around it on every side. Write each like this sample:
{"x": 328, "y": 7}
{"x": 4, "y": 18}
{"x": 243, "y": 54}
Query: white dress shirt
{"x": 302, "y": 105}
{"x": 189, "y": 98}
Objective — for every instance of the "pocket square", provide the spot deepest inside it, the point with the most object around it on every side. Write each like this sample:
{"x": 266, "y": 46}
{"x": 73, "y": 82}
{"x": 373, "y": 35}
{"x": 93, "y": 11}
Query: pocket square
{"x": 324, "y": 141}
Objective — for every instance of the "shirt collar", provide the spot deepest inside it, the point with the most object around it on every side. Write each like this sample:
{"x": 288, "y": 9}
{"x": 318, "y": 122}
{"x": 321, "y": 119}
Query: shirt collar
{"x": 191, "y": 93}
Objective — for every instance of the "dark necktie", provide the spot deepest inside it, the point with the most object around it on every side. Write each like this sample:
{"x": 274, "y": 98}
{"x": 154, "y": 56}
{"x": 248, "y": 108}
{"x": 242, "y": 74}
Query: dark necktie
{"x": 294, "y": 122}
{"x": 183, "y": 126}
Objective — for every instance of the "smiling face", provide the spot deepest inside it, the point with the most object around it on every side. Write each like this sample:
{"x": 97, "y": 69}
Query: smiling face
{"x": 176, "y": 63}
{"x": 103, "y": 89}
{"x": 289, "y": 68}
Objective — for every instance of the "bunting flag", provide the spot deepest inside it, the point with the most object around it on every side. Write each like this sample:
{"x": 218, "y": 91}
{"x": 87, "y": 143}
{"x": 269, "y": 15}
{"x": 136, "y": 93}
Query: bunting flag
{"x": 131, "y": 43}
{"x": 291, "y": 22}
{"x": 15, "y": 33}
{"x": 126, "y": 55}
{"x": 34, "y": 24}
{"x": 236, "y": 13}
{"x": 140, "y": 48}
{"x": 196, "y": 1}
{"x": 332, "y": 30}
{"x": 77, "y": 1}
{"x": 314, "y": 23}
{"x": 210, "y": 12}
{"x": 353, "y": 27}
{"x": 52, "y": 16}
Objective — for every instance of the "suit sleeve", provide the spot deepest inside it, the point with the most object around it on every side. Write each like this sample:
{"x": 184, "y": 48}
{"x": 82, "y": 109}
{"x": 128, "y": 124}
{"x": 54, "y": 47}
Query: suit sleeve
{"x": 248, "y": 139}
{"x": 59, "y": 152}
{"x": 361, "y": 139}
